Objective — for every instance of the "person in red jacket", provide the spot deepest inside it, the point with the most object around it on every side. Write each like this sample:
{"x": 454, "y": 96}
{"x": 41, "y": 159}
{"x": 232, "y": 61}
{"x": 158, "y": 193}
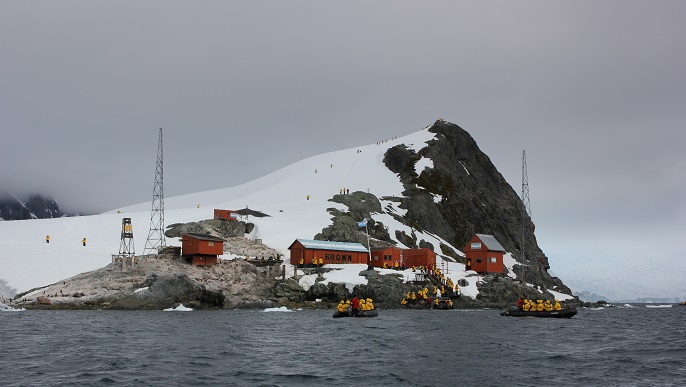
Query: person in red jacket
{"x": 355, "y": 305}
{"x": 520, "y": 303}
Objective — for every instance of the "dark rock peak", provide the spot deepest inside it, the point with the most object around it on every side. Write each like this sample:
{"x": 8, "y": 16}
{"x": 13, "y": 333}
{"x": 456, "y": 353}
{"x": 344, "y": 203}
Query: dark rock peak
{"x": 34, "y": 207}
{"x": 463, "y": 194}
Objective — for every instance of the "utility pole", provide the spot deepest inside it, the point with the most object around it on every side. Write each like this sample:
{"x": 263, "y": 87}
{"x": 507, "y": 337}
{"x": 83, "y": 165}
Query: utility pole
{"x": 156, "y": 240}
{"x": 525, "y": 213}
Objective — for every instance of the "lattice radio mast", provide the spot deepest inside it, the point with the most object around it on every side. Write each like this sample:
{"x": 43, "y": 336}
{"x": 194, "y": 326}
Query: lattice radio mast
{"x": 526, "y": 212}
{"x": 156, "y": 240}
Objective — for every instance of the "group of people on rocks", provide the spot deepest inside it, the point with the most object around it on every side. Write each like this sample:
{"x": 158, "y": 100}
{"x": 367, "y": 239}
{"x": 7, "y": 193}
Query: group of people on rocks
{"x": 447, "y": 282}
{"x": 538, "y": 305}
{"x": 355, "y": 305}
{"x": 422, "y": 297}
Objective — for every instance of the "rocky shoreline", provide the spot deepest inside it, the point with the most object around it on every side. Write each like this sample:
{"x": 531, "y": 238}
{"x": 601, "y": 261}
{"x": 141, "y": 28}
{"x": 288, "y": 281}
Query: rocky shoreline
{"x": 156, "y": 283}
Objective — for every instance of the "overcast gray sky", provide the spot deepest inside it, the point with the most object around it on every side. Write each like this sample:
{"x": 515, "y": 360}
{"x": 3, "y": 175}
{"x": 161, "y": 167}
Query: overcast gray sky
{"x": 594, "y": 91}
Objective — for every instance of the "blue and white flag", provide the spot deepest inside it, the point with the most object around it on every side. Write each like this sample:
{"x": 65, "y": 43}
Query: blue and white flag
{"x": 363, "y": 223}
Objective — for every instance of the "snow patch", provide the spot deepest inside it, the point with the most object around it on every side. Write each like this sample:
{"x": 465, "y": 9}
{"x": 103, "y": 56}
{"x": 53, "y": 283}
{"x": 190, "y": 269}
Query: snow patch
{"x": 279, "y": 309}
{"x": 509, "y": 263}
{"x": 7, "y": 308}
{"x": 560, "y": 296}
{"x": 463, "y": 166}
{"x": 179, "y": 308}
{"x": 658, "y": 306}
{"x": 347, "y": 274}
{"x": 423, "y": 163}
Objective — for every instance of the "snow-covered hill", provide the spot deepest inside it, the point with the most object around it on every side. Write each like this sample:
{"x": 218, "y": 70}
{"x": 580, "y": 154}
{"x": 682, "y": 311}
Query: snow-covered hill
{"x": 27, "y": 261}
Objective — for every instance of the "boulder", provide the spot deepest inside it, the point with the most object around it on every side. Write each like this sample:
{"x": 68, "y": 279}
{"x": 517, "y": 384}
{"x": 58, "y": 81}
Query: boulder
{"x": 167, "y": 290}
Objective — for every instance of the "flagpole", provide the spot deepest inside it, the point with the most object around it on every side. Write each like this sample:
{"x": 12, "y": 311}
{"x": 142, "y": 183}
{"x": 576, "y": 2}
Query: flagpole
{"x": 369, "y": 261}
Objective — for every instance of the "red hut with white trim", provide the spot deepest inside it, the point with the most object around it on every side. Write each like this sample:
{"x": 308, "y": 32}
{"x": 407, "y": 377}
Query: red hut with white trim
{"x": 201, "y": 249}
{"x": 309, "y": 252}
{"x": 225, "y": 214}
{"x": 484, "y": 254}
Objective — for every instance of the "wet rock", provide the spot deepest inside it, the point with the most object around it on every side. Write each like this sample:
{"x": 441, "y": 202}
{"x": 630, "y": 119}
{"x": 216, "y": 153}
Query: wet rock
{"x": 166, "y": 290}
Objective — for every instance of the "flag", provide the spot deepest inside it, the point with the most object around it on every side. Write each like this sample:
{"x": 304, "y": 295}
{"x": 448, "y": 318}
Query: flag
{"x": 363, "y": 223}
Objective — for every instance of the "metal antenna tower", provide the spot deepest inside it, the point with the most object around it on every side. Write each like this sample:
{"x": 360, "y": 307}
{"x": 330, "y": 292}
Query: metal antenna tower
{"x": 526, "y": 212}
{"x": 156, "y": 240}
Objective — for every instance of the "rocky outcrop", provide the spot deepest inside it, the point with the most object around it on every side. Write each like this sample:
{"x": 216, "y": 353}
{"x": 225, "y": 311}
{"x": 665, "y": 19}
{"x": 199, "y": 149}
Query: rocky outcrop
{"x": 474, "y": 198}
{"x": 159, "y": 283}
{"x": 216, "y": 227}
{"x": 462, "y": 194}
{"x": 162, "y": 290}
{"x": 344, "y": 227}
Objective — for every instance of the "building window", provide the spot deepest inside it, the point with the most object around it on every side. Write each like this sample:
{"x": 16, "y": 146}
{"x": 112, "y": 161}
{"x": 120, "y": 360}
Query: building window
{"x": 493, "y": 260}
{"x": 210, "y": 243}
{"x": 476, "y": 245}
{"x": 478, "y": 260}
{"x": 376, "y": 257}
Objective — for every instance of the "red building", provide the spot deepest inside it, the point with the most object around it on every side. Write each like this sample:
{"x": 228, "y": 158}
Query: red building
{"x": 387, "y": 255}
{"x": 201, "y": 249}
{"x": 225, "y": 214}
{"x": 484, "y": 254}
{"x": 407, "y": 257}
{"x": 308, "y": 252}
{"x": 419, "y": 257}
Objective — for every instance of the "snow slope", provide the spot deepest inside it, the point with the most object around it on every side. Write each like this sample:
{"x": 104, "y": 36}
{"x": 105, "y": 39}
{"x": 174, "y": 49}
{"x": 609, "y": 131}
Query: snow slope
{"x": 26, "y": 261}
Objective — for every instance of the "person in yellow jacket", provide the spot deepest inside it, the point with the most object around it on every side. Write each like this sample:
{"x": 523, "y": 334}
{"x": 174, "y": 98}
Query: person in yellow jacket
{"x": 302, "y": 261}
{"x": 47, "y": 239}
{"x": 321, "y": 262}
{"x": 84, "y": 241}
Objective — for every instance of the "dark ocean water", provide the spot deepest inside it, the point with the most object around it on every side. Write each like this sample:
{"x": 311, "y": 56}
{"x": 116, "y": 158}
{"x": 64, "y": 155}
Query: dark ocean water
{"x": 610, "y": 347}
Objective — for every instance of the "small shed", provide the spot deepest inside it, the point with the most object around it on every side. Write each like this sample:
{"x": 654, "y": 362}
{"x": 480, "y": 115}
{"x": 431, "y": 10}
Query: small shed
{"x": 387, "y": 255}
{"x": 201, "y": 249}
{"x": 419, "y": 257}
{"x": 225, "y": 214}
{"x": 484, "y": 254}
{"x": 309, "y": 252}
